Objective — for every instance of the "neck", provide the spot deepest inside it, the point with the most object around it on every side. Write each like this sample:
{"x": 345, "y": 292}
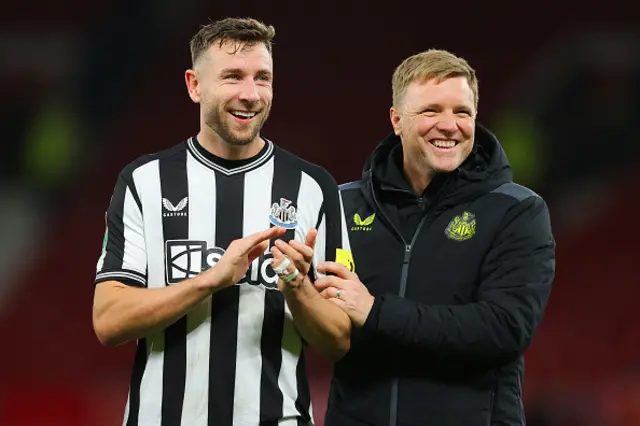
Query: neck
{"x": 418, "y": 177}
{"x": 213, "y": 143}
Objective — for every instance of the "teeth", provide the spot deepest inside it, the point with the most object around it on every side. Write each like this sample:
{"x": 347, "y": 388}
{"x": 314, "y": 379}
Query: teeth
{"x": 444, "y": 144}
{"x": 244, "y": 114}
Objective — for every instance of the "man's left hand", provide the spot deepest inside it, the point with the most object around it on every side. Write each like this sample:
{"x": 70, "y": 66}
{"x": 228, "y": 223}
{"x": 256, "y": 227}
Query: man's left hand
{"x": 300, "y": 255}
{"x": 345, "y": 290}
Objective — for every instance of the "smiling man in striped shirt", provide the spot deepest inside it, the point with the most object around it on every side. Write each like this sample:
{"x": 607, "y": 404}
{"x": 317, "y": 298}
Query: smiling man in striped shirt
{"x": 186, "y": 264}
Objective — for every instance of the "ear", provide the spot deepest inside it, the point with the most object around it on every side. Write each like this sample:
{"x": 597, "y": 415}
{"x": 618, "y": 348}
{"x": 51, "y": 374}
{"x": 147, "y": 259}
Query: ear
{"x": 396, "y": 121}
{"x": 193, "y": 87}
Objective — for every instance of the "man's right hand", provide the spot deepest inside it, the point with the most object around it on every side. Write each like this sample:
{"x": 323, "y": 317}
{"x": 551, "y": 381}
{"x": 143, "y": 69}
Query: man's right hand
{"x": 233, "y": 265}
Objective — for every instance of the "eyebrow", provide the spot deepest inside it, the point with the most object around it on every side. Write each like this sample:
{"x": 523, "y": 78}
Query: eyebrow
{"x": 232, "y": 71}
{"x": 439, "y": 106}
{"x": 240, "y": 71}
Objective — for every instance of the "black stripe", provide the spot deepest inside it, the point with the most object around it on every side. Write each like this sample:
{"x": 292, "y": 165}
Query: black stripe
{"x": 139, "y": 364}
{"x": 299, "y": 422}
{"x": 115, "y": 227}
{"x": 286, "y": 184}
{"x": 224, "y": 304}
{"x": 303, "y": 402}
{"x": 173, "y": 181}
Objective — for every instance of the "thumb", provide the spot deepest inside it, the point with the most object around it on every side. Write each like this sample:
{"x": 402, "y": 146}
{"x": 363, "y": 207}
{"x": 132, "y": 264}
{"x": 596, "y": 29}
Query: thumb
{"x": 311, "y": 237}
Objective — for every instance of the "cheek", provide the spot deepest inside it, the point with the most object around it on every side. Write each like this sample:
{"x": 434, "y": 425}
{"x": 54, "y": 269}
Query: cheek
{"x": 467, "y": 128}
{"x": 422, "y": 125}
{"x": 266, "y": 94}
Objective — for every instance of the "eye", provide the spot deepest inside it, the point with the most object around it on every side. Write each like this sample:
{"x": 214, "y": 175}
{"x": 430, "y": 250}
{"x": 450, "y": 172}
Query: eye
{"x": 233, "y": 77}
{"x": 263, "y": 77}
{"x": 464, "y": 113}
{"x": 430, "y": 111}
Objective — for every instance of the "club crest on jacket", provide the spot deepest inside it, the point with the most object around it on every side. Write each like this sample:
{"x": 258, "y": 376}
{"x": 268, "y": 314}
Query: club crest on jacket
{"x": 461, "y": 227}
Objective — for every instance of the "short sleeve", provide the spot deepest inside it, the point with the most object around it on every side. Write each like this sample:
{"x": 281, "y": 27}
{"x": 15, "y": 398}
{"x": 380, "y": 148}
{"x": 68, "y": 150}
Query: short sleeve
{"x": 123, "y": 256}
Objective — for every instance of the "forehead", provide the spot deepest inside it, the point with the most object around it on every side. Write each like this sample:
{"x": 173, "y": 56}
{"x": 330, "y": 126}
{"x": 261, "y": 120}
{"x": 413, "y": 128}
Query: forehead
{"x": 450, "y": 91}
{"x": 235, "y": 55}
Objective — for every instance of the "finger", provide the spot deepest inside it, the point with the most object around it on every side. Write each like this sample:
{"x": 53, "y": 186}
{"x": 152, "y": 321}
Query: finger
{"x": 330, "y": 281}
{"x": 333, "y": 292}
{"x": 258, "y": 237}
{"x": 296, "y": 257}
{"x": 257, "y": 251}
{"x": 305, "y": 250}
{"x": 338, "y": 269}
{"x": 278, "y": 257}
{"x": 326, "y": 293}
{"x": 339, "y": 303}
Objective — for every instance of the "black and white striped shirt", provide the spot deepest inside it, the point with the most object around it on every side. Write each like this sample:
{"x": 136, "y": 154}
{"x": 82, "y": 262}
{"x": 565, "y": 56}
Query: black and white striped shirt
{"x": 235, "y": 359}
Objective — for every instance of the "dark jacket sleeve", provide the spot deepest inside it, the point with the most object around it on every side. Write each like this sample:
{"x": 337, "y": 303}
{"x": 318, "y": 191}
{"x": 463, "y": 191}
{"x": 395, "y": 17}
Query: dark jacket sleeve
{"x": 515, "y": 284}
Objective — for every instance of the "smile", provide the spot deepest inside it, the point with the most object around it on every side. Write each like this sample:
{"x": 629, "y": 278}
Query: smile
{"x": 444, "y": 143}
{"x": 247, "y": 115}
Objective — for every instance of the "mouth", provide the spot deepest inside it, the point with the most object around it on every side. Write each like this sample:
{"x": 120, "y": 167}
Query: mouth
{"x": 243, "y": 116}
{"x": 445, "y": 144}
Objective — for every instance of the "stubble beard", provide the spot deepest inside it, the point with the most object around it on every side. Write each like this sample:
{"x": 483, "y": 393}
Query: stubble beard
{"x": 215, "y": 119}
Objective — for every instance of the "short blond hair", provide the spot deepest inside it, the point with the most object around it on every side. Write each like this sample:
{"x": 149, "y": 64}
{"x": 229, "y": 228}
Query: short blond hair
{"x": 428, "y": 65}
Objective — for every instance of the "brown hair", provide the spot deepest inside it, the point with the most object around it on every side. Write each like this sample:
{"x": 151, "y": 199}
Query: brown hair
{"x": 247, "y": 31}
{"x": 431, "y": 64}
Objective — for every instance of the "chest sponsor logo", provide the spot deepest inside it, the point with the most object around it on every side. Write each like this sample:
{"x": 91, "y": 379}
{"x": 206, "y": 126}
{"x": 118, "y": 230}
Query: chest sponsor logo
{"x": 461, "y": 228}
{"x": 169, "y": 210}
{"x": 187, "y": 258}
{"x": 365, "y": 224}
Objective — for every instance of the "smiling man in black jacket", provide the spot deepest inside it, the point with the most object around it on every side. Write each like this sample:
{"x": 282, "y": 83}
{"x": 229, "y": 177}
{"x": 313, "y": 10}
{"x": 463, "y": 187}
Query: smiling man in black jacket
{"x": 454, "y": 265}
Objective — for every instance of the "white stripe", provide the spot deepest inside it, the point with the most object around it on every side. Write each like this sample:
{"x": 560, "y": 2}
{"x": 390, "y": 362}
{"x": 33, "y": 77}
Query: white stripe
{"x": 147, "y": 180}
{"x": 320, "y": 252}
{"x": 134, "y": 250}
{"x": 237, "y": 170}
{"x": 126, "y": 409}
{"x": 287, "y": 380}
{"x": 346, "y": 244}
{"x": 103, "y": 255}
{"x": 246, "y": 402}
{"x": 310, "y": 198}
{"x": 309, "y": 203}
{"x": 202, "y": 226}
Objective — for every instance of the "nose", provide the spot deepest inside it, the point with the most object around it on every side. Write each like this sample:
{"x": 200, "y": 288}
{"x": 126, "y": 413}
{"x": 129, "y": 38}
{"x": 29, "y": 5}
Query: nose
{"x": 249, "y": 91}
{"x": 447, "y": 123}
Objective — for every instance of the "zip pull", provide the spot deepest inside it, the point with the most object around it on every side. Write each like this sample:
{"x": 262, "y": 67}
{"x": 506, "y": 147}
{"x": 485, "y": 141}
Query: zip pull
{"x": 407, "y": 253}
{"x": 422, "y": 203}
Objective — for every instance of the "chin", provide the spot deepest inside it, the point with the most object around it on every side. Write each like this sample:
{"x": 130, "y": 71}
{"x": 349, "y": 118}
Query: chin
{"x": 446, "y": 168}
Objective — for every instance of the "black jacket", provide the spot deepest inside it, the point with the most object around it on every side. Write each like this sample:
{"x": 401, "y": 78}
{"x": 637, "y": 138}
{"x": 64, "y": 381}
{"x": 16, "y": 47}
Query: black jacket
{"x": 461, "y": 277}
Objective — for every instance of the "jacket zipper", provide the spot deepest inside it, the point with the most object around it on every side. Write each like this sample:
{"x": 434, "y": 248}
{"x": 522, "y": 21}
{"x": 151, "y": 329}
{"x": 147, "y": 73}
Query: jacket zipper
{"x": 393, "y": 412}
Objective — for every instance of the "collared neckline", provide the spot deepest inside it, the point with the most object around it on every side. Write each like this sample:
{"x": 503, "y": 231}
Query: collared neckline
{"x": 229, "y": 167}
